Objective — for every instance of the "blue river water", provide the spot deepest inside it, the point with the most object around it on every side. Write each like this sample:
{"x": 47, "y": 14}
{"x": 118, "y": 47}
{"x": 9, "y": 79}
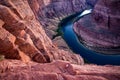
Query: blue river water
{"x": 71, "y": 39}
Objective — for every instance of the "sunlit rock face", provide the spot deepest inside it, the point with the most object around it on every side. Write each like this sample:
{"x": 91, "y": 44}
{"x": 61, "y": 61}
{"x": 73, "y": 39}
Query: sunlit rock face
{"x": 57, "y": 70}
{"x": 100, "y": 31}
{"x": 23, "y": 37}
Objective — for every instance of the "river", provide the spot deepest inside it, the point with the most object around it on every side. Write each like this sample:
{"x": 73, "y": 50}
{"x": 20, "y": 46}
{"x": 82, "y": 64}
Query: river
{"x": 68, "y": 34}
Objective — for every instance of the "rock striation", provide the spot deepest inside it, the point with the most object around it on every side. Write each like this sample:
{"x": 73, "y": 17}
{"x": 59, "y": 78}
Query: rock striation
{"x": 58, "y": 70}
{"x": 22, "y": 36}
{"x": 100, "y": 31}
{"x": 51, "y": 12}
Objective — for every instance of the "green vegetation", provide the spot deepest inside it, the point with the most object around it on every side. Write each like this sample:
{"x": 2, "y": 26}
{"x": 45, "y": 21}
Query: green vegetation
{"x": 2, "y": 57}
{"x": 59, "y": 33}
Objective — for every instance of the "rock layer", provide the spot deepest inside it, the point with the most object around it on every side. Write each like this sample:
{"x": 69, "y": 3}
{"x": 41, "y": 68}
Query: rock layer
{"x": 50, "y": 13}
{"x": 58, "y": 70}
{"x": 22, "y": 36}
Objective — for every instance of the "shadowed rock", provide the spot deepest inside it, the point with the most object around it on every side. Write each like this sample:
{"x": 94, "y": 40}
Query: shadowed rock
{"x": 22, "y": 36}
{"x": 100, "y": 31}
{"x": 51, "y": 12}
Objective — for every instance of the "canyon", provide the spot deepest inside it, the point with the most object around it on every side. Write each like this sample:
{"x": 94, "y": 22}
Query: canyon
{"x": 23, "y": 37}
{"x": 50, "y": 13}
{"x": 26, "y": 31}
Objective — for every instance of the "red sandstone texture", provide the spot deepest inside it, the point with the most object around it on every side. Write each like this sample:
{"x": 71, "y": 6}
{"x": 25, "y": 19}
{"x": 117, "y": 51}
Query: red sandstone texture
{"x": 22, "y": 36}
{"x": 58, "y": 70}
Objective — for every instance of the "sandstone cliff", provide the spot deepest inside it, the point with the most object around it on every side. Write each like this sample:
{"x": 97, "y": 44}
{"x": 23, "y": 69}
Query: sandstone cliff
{"x": 50, "y": 13}
{"x": 22, "y": 36}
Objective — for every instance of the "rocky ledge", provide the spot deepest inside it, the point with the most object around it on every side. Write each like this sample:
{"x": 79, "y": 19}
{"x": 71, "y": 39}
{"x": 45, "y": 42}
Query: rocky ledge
{"x": 57, "y": 70}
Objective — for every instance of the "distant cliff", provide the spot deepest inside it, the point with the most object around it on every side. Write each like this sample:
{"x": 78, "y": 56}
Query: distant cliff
{"x": 101, "y": 30}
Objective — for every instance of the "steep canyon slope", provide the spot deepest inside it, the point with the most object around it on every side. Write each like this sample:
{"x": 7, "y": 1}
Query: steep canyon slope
{"x": 51, "y": 12}
{"x": 22, "y": 36}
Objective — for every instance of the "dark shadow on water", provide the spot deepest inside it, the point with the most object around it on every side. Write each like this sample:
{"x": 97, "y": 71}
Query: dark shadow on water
{"x": 93, "y": 57}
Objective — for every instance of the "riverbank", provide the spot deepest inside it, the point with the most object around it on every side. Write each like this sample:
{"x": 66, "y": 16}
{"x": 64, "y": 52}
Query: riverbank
{"x": 78, "y": 46}
{"x": 51, "y": 13}
{"x": 100, "y": 30}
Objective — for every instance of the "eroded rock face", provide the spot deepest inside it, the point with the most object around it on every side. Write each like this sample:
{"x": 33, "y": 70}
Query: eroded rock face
{"x": 101, "y": 30}
{"x": 51, "y": 12}
{"x": 7, "y": 41}
{"x": 58, "y": 70}
{"x": 22, "y": 36}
